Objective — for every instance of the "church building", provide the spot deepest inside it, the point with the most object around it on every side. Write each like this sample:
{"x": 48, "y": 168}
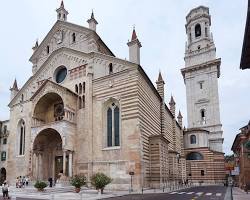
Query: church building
{"x": 85, "y": 111}
{"x": 203, "y": 138}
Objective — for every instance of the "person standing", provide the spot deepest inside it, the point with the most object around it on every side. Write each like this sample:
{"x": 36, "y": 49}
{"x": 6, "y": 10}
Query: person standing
{"x": 5, "y": 190}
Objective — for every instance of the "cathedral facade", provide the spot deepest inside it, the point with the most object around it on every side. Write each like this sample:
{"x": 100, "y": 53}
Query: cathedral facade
{"x": 203, "y": 138}
{"x": 85, "y": 111}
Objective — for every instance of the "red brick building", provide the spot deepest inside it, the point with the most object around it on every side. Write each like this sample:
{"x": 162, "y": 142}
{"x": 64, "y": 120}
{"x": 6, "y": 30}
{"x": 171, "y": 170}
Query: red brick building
{"x": 241, "y": 149}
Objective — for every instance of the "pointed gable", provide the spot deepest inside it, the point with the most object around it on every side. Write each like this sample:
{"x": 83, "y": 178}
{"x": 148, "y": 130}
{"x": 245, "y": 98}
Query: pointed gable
{"x": 60, "y": 36}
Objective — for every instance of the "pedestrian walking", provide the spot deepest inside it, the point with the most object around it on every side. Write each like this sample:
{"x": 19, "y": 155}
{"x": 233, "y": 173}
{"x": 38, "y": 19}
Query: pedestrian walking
{"x": 27, "y": 181}
{"x": 5, "y": 190}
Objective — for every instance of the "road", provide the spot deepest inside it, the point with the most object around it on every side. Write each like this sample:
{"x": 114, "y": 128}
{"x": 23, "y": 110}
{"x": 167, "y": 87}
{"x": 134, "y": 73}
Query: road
{"x": 197, "y": 193}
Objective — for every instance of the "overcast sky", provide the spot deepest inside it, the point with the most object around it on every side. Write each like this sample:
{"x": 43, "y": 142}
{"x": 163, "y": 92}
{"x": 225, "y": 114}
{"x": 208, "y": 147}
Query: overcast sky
{"x": 160, "y": 26}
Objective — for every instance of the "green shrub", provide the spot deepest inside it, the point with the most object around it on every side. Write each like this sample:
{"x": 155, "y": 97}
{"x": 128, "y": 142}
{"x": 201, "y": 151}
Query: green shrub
{"x": 100, "y": 180}
{"x": 40, "y": 185}
{"x": 78, "y": 181}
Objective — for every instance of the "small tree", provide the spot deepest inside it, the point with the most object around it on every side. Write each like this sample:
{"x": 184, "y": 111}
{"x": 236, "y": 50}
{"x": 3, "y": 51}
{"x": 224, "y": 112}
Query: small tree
{"x": 100, "y": 180}
{"x": 40, "y": 185}
{"x": 78, "y": 181}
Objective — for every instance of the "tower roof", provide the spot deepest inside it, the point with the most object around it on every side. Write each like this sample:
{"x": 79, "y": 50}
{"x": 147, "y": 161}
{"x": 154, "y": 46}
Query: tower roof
{"x": 134, "y": 36}
{"x": 35, "y": 46}
{"x": 179, "y": 115}
{"x": 62, "y": 4}
{"x": 14, "y": 87}
{"x": 172, "y": 102}
{"x": 160, "y": 79}
{"x": 62, "y": 12}
{"x": 134, "y": 39}
{"x": 92, "y": 18}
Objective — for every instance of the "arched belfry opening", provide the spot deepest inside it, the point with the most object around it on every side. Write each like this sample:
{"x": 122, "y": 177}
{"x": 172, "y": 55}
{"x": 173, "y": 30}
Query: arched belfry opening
{"x": 49, "y": 157}
{"x": 49, "y": 108}
{"x": 197, "y": 30}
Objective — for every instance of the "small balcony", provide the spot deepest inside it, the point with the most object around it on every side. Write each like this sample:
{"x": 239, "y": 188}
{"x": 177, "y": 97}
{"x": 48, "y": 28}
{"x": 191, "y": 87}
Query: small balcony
{"x": 68, "y": 116}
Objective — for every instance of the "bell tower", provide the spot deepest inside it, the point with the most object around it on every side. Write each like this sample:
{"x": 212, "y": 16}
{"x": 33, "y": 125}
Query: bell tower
{"x": 201, "y": 73}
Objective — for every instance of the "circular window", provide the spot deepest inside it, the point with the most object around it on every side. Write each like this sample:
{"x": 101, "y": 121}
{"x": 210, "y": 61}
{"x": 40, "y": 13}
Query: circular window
{"x": 60, "y": 74}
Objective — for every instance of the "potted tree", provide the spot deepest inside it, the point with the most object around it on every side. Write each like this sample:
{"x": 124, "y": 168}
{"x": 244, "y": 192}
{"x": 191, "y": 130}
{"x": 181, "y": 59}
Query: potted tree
{"x": 99, "y": 181}
{"x": 40, "y": 185}
{"x": 78, "y": 181}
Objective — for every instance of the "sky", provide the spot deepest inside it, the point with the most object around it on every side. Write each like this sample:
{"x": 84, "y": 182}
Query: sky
{"x": 160, "y": 26}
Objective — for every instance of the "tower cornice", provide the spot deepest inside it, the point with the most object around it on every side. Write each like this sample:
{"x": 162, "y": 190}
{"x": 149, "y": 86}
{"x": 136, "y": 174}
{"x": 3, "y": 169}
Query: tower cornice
{"x": 216, "y": 62}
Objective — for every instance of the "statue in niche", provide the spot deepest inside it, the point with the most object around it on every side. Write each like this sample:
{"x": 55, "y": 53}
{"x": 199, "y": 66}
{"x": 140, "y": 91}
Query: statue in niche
{"x": 59, "y": 36}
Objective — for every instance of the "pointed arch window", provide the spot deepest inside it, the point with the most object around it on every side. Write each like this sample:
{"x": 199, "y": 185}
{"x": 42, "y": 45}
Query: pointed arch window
{"x": 113, "y": 125}
{"x": 109, "y": 127}
{"x": 192, "y": 139}
{"x": 197, "y": 30}
{"x": 21, "y": 142}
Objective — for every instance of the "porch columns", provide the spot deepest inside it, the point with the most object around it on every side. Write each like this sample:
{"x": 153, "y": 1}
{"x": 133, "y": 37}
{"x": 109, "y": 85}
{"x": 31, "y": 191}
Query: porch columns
{"x": 64, "y": 162}
{"x": 40, "y": 171}
{"x": 36, "y": 165}
{"x": 70, "y": 163}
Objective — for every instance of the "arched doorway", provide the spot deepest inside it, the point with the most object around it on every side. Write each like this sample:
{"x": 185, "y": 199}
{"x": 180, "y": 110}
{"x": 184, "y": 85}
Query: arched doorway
{"x": 2, "y": 175}
{"x": 49, "y": 159}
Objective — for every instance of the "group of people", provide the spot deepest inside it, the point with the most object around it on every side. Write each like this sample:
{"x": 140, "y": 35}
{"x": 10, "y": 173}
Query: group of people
{"x": 22, "y": 181}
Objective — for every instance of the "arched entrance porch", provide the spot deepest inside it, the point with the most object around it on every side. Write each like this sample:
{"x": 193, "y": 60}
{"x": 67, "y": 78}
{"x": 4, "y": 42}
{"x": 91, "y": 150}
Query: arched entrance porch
{"x": 49, "y": 158}
{"x": 2, "y": 175}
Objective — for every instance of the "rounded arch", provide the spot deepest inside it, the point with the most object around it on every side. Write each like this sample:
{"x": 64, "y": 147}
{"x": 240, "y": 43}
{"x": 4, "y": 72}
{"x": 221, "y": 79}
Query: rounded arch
{"x": 194, "y": 156}
{"x": 3, "y": 174}
{"x": 193, "y": 139}
{"x": 46, "y": 138}
{"x": 49, "y": 108}
{"x": 197, "y": 30}
{"x": 47, "y": 154}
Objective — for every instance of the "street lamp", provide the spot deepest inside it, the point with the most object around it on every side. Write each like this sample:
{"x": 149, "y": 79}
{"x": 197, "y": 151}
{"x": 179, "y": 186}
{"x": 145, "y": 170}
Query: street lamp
{"x": 131, "y": 180}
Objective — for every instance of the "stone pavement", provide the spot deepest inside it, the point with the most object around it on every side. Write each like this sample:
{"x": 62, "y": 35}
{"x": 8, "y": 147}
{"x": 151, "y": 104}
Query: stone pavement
{"x": 239, "y": 194}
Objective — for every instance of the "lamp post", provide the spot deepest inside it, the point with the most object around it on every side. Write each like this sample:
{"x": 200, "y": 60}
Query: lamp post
{"x": 131, "y": 180}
